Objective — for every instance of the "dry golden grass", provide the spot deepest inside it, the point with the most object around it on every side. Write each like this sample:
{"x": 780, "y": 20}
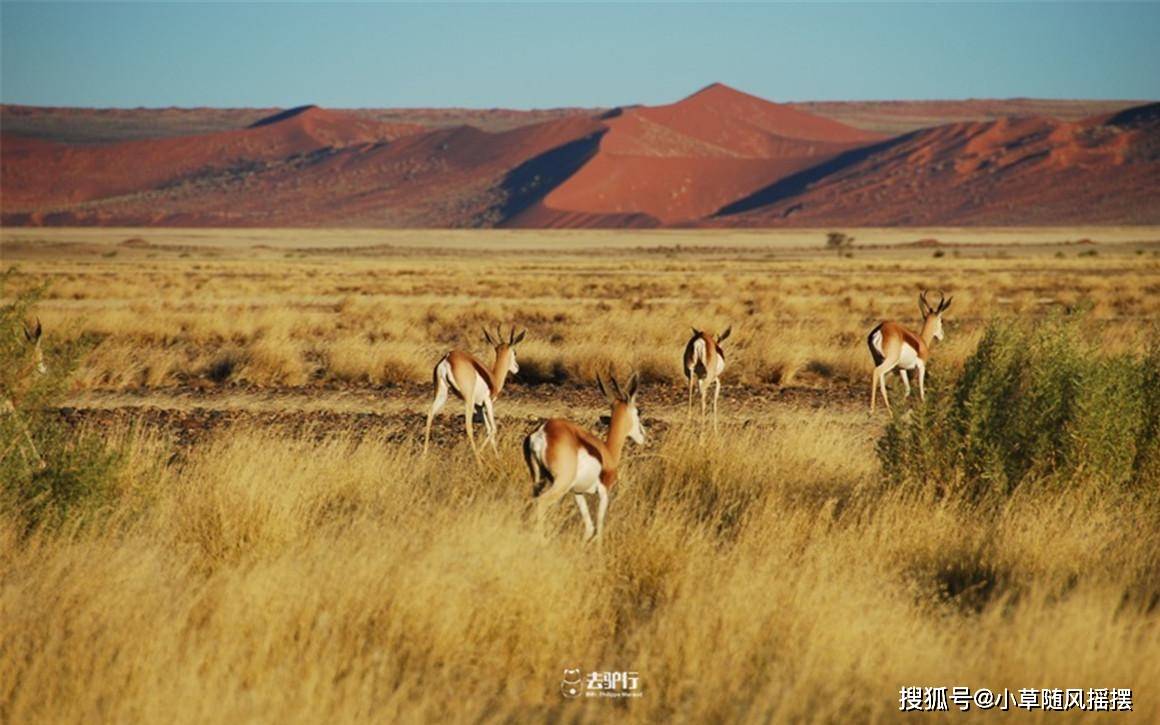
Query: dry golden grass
{"x": 165, "y": 317}
{"x": 764, "y": 575}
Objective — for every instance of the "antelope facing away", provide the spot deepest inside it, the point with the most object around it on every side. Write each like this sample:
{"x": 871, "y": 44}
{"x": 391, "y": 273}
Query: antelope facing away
{"x": 894, "y": 347}
{"x": 704, "y": 362}
{"x": 35, "y": 365}
{"x": 474, "y": 384}
{"x": 563, "y": 457}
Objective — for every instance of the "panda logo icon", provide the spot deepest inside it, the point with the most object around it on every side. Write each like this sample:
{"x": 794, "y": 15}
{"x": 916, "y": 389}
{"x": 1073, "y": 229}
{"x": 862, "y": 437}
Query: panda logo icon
{"x": 570, "y": 686}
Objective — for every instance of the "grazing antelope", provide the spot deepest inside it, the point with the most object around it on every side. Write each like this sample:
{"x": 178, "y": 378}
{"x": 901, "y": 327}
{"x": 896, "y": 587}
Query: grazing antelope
{"x": 474, "y": 384}
{"x": 704, "y": 363}
{"x": 894, "y": 347}
{"x": 8, "y": 407}
{"x": 571, "y": 459}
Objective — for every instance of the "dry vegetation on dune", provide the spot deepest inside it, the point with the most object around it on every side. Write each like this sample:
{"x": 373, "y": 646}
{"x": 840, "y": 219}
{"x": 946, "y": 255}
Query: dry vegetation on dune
{"x": 785, "y": 571}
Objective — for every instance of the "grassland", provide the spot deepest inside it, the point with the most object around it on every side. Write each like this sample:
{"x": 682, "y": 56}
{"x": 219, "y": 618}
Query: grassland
{"x": 270, "y": 545}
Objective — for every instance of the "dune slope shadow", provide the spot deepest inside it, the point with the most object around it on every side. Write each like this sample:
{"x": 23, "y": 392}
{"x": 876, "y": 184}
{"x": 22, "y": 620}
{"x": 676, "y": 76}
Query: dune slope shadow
{"x": 797, "y": 183}
{"x": 282, "y": 116}
{"x": 1146, "y": 115}
{"x": 531, "y": 181}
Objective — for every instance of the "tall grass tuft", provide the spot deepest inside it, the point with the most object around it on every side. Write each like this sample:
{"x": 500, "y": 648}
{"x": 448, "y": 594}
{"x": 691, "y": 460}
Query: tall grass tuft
{"x": 1034, "y": 404}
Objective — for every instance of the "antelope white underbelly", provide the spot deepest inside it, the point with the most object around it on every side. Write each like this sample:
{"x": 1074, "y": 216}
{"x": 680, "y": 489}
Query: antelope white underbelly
{"x": 907, "y": 357}
{"x": 587, "y": 472}
{"x": 482, "y": 392}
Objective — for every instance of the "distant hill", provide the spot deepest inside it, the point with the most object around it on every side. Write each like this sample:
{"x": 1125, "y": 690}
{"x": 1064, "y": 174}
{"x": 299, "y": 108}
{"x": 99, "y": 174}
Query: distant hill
{"x": 1015, "y": 171}
{"x": 719, "y": 157}
{"x": 686, "y": 160}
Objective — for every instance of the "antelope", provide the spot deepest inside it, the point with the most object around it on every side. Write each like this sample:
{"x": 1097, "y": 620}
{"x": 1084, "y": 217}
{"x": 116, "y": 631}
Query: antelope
{"x": 474, "y": 384}
{"x": 894, "y": 347}
{"x": 36, "y": 364}
{"x": 704, "y": 362}
{"x": 571, "y": 459}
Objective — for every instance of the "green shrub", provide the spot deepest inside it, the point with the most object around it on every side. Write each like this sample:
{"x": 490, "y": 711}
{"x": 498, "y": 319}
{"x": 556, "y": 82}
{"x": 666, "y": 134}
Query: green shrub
{"x": 70, "y": 473}
{"x": 79, "y": 480}
{"x": 1036, "y": 403}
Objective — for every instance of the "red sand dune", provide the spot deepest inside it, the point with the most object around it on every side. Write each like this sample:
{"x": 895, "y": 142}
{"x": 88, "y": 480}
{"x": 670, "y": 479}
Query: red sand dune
{"x": 1011, "y": 171}
{"x": 49, "y": 174}
{"x": 681, "y": 162}
{"x": 719, "y": 157}
{"x": 104, "y": 125}
{"x": 899, "y": 117}
{"x": 284, "y": 173}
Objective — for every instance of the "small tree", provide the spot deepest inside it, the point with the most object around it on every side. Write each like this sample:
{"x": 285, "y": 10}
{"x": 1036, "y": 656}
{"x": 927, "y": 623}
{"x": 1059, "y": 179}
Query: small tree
{"x": 839, "y": 242}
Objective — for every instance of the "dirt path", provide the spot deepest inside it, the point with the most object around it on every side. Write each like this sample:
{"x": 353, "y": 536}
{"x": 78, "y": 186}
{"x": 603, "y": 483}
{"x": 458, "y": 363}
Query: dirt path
{"x": 398, "y": 413}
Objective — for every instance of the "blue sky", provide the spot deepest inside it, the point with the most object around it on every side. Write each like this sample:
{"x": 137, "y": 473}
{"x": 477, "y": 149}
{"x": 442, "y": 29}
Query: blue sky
{"x": 544, "y": 55}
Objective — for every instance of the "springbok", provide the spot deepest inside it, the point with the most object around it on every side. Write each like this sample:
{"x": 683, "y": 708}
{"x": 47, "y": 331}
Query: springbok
{"x": 474, "y": 384}
{"x": 894, "y": 347}
{"x": 35, "y": 365}
{"x": 570, "y": 458}
{"x": 704, "y": 362}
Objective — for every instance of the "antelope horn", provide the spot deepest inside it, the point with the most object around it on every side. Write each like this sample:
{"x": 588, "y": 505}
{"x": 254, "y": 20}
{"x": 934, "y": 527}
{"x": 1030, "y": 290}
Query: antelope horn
{"x": 943, "y": 304}
{"x": 603, "y": 388}
{"x": 616, "y": 386}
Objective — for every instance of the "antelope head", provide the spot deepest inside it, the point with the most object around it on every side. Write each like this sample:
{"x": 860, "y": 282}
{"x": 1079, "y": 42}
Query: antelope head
{"x": 32, "y": 335}
{"x": 624, "y": 409}
{"x": 932, "y": 327}
{"x": 717, "y": 341}
{"x": 505, "y": 351}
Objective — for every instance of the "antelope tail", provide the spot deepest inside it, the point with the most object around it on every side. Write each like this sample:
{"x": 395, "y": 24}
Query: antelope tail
{"x": 874, "y": 342}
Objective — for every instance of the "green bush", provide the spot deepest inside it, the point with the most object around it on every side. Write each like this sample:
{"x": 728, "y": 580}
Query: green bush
{"x": 76, "y": 474}
{"x": 1036, "y": 403}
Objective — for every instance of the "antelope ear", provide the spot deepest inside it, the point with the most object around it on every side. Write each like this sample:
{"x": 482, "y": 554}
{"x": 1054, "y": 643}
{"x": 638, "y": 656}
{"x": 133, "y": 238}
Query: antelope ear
{"x": 487, "y": 336}
{"x": 946, "y": 305}
{"x": 633, "y": 384}
{"x": 40, "y": 330}
{"x": 696, "y": 332}
{"x": 519, "y": 338}
{"x": 604, "y": 389}
{"x": 727, "y": 333}
{"x": 27, "y": 331}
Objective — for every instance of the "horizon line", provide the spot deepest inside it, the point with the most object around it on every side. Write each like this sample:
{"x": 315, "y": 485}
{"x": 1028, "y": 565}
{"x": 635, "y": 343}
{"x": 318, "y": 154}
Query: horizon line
{"x": 529, "y": 109}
